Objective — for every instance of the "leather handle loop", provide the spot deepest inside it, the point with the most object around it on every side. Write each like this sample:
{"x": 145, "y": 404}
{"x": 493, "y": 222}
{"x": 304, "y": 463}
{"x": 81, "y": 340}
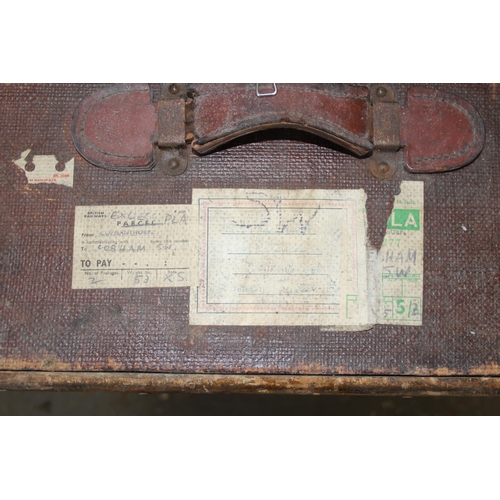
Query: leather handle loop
{"x": 338, "y": 113}
{"x": 120, "y": 128}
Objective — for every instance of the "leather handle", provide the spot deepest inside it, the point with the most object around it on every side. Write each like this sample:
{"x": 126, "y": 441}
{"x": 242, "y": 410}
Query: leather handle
{"x": 117, "y": 128}
{"x": 338, "y": 113}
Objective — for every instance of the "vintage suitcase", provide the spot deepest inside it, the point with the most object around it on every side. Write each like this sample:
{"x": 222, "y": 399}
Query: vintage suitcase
{"x": 130, "y": 257}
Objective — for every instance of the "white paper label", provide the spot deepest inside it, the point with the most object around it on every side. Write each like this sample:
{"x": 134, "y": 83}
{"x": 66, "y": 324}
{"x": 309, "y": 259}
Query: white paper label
{"x": 280, "y": 257}
{"x": 45, "y": 171}
{"x": 135, "y": 246}
{"x": 263, "y": 257}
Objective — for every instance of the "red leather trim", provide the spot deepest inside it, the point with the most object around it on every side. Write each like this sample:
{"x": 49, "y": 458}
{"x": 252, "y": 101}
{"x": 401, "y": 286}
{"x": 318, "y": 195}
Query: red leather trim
{"x": 114, "y": 127}
{"x": 339, "y": 113}
{"x": 441, "y": 131}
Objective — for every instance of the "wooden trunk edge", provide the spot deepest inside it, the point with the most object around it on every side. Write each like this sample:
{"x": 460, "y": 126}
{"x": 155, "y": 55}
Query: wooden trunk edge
{"x": 250, "y": 384}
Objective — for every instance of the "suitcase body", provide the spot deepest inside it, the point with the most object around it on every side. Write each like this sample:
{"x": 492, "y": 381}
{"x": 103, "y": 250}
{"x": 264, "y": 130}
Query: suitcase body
{"x": 53, "y": 336}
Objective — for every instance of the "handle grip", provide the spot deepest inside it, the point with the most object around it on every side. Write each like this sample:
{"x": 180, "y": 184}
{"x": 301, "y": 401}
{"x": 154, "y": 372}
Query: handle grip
{"x": 120, "y": 128}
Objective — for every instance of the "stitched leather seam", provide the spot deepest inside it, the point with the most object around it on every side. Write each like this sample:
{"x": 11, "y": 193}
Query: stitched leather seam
{"x": 332, "y": 129}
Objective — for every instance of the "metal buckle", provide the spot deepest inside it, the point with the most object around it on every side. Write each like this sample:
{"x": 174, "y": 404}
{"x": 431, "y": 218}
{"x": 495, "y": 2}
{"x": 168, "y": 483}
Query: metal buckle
{"x": 265, "y": 94}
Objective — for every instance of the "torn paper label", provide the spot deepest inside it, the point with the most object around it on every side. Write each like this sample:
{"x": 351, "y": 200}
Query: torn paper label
{"x": 401, "y": 259}
{"x": 135, "y": 246}
{"x": 281, "y": 257}
{"x": 263, "y": 257}
{"x": 46, "y": 169}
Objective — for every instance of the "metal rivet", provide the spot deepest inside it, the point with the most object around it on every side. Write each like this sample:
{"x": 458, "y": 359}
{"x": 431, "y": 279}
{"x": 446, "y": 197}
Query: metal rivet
{"x": 173, "y": 164}
{"x": 383, "y": 168}
{"x": 61, "y": 166}
{"x": 173, "y": 88}
{"x": 381, "y": 92}
{"x": 29, "y": 167}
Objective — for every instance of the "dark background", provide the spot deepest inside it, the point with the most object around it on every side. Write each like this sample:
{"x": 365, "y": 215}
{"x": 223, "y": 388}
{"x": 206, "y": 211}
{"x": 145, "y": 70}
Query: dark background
{"x": 74, "y": 403}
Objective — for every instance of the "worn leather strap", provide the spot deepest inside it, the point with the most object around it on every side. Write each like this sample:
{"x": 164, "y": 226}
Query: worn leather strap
{"x": 117, "y": 128}
{"x": 338, "y": 113}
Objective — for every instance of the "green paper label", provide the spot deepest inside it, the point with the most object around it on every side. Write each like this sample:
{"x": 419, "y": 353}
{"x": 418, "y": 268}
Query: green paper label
{"x": 407, "y": 220}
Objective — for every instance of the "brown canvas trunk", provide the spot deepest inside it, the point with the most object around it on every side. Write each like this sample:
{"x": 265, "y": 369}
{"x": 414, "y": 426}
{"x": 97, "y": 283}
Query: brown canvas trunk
{"x": 55, "y": 337}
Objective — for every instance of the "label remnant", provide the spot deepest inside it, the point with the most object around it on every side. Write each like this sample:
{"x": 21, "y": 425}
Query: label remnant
{"x": 135, "y": 246}
{"x": 281, "y": 257}
{"x": 401, "y": 258}
{"x": 46, "y": 169}
{"x": 263, "y": 257}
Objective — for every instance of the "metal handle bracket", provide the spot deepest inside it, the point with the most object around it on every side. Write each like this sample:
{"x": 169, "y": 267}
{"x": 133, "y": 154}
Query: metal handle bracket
{"x": 170, "y": 150}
